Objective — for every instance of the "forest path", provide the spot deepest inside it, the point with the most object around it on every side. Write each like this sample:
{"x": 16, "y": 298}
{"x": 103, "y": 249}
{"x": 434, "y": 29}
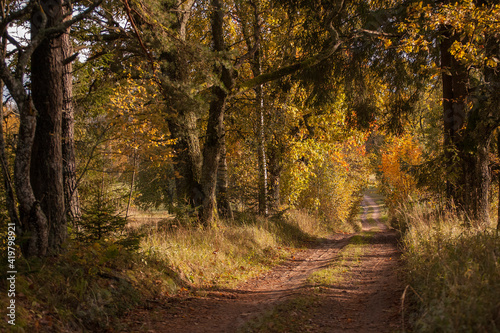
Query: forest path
{"x": 365, "y": 299}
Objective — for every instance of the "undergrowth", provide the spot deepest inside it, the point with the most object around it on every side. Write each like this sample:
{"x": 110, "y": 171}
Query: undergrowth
{"x": 93, "y": 284}
{"x": 453, "y": 270}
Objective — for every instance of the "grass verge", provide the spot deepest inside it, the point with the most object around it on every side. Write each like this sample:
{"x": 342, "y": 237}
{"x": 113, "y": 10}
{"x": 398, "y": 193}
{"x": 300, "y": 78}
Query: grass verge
{"x": 453, "y": 270}
{"x": 90, "y": 286}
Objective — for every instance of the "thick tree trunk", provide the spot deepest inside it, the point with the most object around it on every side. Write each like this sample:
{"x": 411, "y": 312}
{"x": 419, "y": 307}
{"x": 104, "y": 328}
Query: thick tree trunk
{"x": 215, "y": 125}
{"x": 72, "y": 201}
{"x": 483, "y": 183}
{"x": 33, "y": 222}
{"x": 182, "y": 121}
{"x": 211, "y": 156}
{"x": 188, "y": 158}
{"x": 498, "y": 156}
{"x": 454, "y": 80}
{"x": 223, "y": 204}
{"x": 47, "y": 162}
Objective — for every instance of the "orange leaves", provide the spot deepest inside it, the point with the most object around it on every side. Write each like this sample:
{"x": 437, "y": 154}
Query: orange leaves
{"x": 400, "y": 155}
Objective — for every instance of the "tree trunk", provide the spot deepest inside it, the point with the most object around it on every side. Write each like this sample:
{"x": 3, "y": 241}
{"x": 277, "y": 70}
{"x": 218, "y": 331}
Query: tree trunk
{"x": 259, "y": 94}
{"x": 275, "y": 169}
{"x": 47, "y": 162}
{"x": 9, "y": 191}
{"x": 454, "y": 80}
{"x": 211, "y": 156}
{"x": 498, "y": 155}
{"x": 223, "y": 204}
{"x": 182, "y": 121}
{"x": 72, "y": 201}
{"x": 262, "y": 163}
{"x": 215, "y": 125}
{"x": 132, "y": 184}
{"x": 483, "y": 182}
{"x": 33, "y": 222}
{"x": 187, "y": 158}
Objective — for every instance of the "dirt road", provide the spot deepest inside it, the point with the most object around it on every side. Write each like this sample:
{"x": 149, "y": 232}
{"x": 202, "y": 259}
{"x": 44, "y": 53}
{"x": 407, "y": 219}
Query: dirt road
{"x": 366, "y": 299}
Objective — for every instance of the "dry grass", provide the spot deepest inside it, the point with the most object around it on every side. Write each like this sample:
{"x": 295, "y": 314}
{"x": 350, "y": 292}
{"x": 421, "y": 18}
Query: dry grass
{"x": 90, "y": 286}
{"x": 454, "y": 270}
{"x": 232, "y": 252}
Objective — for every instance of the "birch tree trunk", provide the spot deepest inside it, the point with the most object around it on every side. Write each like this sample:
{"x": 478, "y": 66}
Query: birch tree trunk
{"x": 223, "y": 204}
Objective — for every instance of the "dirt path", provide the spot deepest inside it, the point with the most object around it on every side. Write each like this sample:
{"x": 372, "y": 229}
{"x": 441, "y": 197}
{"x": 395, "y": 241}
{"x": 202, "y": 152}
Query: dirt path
{"x": 366, "y": 301}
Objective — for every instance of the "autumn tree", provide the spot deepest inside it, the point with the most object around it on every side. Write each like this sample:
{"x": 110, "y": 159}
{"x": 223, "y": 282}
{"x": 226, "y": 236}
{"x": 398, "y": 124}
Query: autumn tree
{"x": 468, "y": 43}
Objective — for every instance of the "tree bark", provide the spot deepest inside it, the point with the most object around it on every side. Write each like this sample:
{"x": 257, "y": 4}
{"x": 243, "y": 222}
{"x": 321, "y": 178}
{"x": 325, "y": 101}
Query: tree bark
{"x": 215, "y": 125}
{"x": 182, "y": 120}
{"x": 33, "y": 222}
{"x": 47, "y": 162}
{"x": 72, "y": 201}
{"x": 454, "y": 80}
{"x": 275, "y": 170}
{"x": 483, "y": 183}
{"x": 188, "y": 157}
{"x": 498, "y": 155}
{"x": 223, "y": 204}
{"x": 256, "y": 66}
{"x": 10, "y": 199}
{"x": 262, "y": 162}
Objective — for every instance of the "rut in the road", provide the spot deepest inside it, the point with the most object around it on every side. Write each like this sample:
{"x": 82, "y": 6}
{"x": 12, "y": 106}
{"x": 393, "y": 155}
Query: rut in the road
{"x": 371, "y": 291}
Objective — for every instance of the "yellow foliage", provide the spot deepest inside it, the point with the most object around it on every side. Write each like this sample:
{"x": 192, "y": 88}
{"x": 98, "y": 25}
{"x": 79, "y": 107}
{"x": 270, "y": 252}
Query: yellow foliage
{"x": 398, "y": 158}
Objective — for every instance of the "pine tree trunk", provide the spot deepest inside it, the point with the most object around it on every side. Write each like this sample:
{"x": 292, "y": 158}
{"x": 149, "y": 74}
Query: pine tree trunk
{"x": 187, "y": 159}
{"x": 72, "y": 201}
{"x": 47, "y": 162}
{"x": 34, "y": 224}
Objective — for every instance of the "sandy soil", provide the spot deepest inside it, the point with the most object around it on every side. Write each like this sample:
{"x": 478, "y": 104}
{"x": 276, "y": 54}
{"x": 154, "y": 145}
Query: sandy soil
{"x": 367, "y": 300}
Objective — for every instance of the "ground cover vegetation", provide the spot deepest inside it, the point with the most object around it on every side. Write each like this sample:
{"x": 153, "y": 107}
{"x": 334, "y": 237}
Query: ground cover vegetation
{"x": 151, "y": 148}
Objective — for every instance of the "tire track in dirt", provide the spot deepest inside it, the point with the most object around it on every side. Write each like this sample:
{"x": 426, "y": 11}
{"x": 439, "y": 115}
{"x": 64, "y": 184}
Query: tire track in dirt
{"x": 370, "y": 207}
{"x": 227, "y": 310}
{"x": 366, "y": 301}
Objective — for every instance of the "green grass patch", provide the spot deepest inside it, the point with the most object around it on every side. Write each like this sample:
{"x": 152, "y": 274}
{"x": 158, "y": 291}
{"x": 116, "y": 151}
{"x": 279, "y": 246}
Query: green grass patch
{"x": 349, "y": 257}
{"x": 454, "y": 270}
